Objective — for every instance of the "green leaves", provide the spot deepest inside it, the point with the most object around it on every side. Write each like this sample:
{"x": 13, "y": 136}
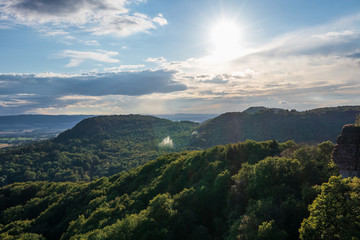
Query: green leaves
{"x": 335, "y": 213}
{"x": 270, "y": 231}
{"x": 276, "y": 191}
{"x": 244, "y": 190}
{"x": 357, "y": 121}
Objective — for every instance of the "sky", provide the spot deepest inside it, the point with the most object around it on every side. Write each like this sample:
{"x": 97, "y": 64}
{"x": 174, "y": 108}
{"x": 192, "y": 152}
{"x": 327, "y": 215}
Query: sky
{"x": 163, "y": 57}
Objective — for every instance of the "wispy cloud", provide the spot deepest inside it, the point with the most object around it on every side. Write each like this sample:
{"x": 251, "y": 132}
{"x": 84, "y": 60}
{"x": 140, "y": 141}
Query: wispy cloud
{"x": 126, "y": 25}
{"x": 13, "y": 103}
{"x": 77, "y": 57}
{"x": 334, "y": 35}
{"x": 49, "y": 32}
{"x": 319, "y": 40}
{"x": 160, "y": 20}
{"x": 91, "y": 43}
{"x": 158, "y": 60}
{"x": 121, "y": 68}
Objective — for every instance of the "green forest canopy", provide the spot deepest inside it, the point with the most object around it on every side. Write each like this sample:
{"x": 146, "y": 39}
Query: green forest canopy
{"x": 247, "y": 190}
{"x": 312, "y": 126}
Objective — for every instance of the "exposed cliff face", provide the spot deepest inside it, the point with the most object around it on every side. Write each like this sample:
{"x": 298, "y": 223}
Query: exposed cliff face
{"x": 347, "y": 151}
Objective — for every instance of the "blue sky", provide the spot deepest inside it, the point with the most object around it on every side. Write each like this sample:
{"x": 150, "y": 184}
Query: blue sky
{"x": 157, "y": 56}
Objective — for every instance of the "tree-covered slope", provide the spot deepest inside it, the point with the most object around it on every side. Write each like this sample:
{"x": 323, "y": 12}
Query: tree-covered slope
{"x": 246, "y": 190}
{"x": 314, "y": 126}
{"x": 95, "y": 147}
{"x": 106, "y": 145}
{"x": 335, "y": 213}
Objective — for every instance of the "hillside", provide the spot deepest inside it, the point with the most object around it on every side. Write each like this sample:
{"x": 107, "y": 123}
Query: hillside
{"x": 105, "y": 145}
{"x": 95, "y": 147}
{"x": 135, "y": 128}
{"x": 261, "y": 124}
{"x": 23, "y": 129}
{"x": 246, "y": 190}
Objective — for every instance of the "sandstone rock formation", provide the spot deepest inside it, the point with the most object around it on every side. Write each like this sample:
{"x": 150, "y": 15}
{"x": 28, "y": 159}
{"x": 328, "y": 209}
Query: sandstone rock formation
{"x": 347, "y": 151}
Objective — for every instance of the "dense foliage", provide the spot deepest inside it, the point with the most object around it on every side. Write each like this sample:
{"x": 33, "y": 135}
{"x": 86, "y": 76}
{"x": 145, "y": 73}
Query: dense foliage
{"x": 246, "y": 190}
{"x": 335, "y": 213}
{"x": 96, "y": 147}
{"x": 261, "y": 124}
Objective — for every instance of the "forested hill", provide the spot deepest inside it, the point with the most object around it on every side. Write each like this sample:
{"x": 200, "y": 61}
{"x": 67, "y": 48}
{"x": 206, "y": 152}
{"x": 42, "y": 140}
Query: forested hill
{"x": 134, "y": 128}
{"x": 95, "y": 147}
{"x": 246, "y": 190}
{"x": 262, "y": 124}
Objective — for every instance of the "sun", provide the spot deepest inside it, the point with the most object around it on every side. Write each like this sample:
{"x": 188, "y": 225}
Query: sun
{"x": 225, "y": 33}
{"x": 225, "y": 39}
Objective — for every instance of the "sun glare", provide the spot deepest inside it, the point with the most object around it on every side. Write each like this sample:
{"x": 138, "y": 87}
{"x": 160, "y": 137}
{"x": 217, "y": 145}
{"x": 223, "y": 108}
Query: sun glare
{"x": 225, "y": 40}
{"x": 224, "y": 33}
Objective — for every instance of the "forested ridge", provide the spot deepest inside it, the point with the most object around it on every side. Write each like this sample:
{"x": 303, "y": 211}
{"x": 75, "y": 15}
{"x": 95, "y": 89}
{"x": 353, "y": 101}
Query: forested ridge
{"x": 248, "y": 190}
{"x": 261, "y": 124}
{"x": 95, "y": 147}
{"x": 105, "y": 145}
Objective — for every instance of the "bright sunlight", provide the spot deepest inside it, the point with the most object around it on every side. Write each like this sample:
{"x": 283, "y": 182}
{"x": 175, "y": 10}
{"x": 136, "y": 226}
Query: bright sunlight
{"x": 225, "y": 40}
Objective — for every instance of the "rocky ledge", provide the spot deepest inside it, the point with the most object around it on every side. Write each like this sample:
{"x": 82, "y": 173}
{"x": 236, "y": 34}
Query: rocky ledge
{"x": 346, "y": 153}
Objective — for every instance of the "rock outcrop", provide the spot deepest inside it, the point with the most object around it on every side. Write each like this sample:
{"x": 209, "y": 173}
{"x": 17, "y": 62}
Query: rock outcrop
{"x": 346, "y": 153}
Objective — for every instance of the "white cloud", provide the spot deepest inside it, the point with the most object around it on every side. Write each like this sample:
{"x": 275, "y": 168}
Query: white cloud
{"x": 248, "y": 73}
{"x": 46, "y": 75}
{"x": 25, "y": 94}
{"x": 333, "y": 35}
{"x": 47, "y": 32}
{"x": 160, "y": 20}
{"x": 91, "y": 43}
{"x": 158, "y": 60}
{"x": 78, "y": 97}
{"x": 77, "y": 57}
{"x": 97, "y": 16}
{"x": 125, "y": 67}
{"x": 124, "y": 25}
